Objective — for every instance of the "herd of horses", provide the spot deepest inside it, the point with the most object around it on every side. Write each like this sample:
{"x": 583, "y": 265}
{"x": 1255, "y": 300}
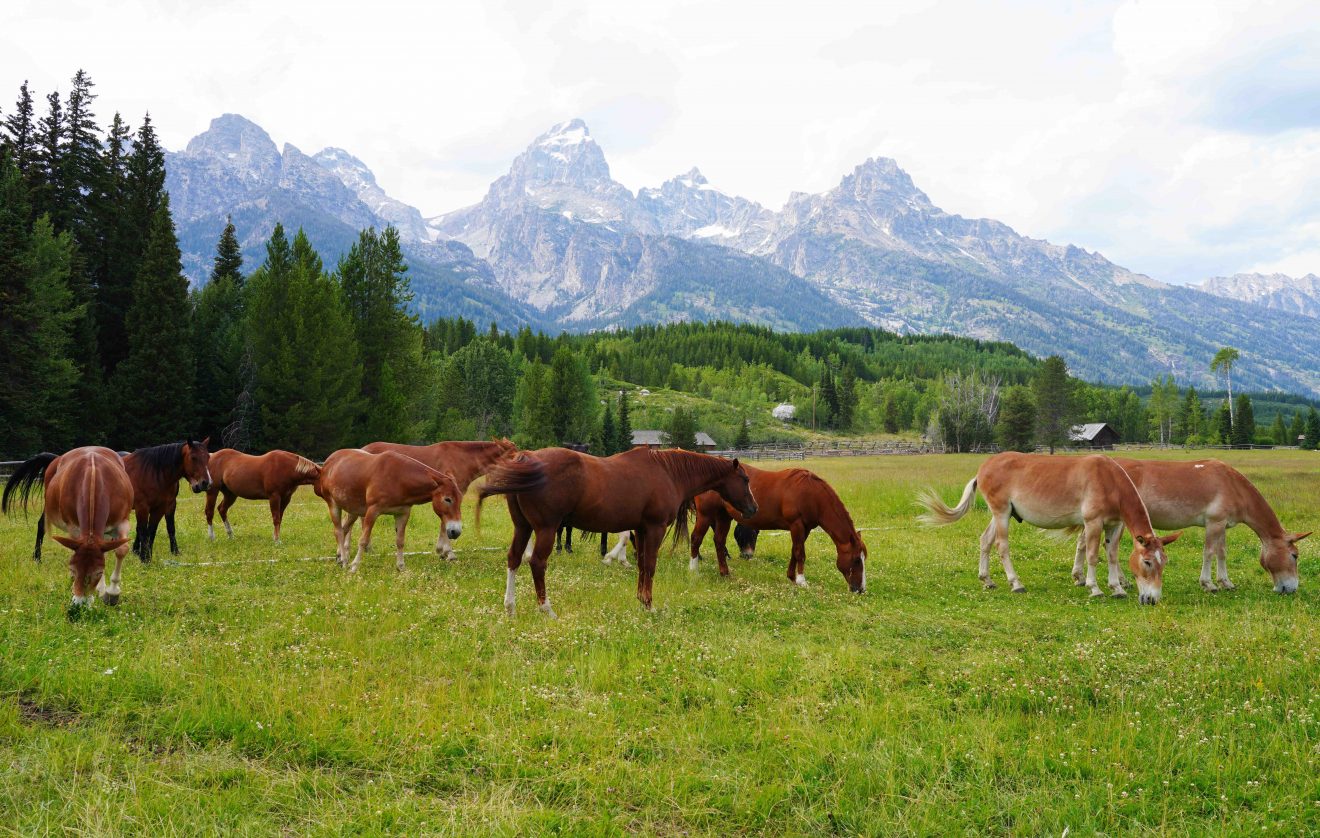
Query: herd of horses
{"x": 90, "y": 493}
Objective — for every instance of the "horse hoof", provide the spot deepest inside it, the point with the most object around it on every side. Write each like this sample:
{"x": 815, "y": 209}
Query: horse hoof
{"x": 1096, "y": 592}
{"x": 1119, "y": 593}
{"x": 1226, "y": 585}
{"x": 1019, "y": 589}
{"x": 545, "y": 609}
{"x": 110, "y": 599}
{"x": 989, "y": 584}
{"x": 1210, "y": 587}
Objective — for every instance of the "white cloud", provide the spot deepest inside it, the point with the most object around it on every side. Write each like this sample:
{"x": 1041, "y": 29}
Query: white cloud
{"x": 1180, "y": 139}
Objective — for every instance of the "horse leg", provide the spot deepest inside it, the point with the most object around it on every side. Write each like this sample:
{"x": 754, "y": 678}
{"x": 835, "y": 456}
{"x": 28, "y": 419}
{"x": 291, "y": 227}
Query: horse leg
{"x": 568, "y": 539}
{"x": 648, "y": 545}
{"x": 797, "y": 561}
{"x": 41, "y": 534}
{"x": 1213, "y": 531}
{"x": 699, "y": 529}
{"x": 1094, "y": 533}
{"x": 140, "y": 528}
{"x": 1113, "y": 537}
{"x": 149, "y": 543}
{"x": 545, "y": 540}
{"x": 1221, "y": 553}
{"x": 987, "y": 538}
{"x": 721, "y": 539}
{"x": 226, "y": 501}
{"x": 211, "y": 495}
{"x": 276, "y": 515}
{"x": 1079, "y": 561}
{"x": 1001, "y": 541}
{"x": 400, "y": 531}
{"x": 559, "y": 539}
{"x": 620, "y": 552}
{"x": 364, "y": 543}
{"x": 522, "y": 534}
{"x": 169, "y": 529}
{"x": 346, "y": 541}
{"x": 110, "y": 592}
{"x": 336, "y": 521}
{"x": 285, "y": 500}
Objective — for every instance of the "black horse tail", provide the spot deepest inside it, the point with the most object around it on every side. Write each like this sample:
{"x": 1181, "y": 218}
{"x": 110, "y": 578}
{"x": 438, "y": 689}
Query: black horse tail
{"x": 681, "y": 522}
{"x": 26, "y": 477}
{"x": 522, "y": 473}
{"x": 745, "y": 537}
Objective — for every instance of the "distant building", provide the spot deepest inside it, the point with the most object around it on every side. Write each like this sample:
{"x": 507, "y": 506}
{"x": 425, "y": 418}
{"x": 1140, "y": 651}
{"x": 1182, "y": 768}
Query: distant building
{"x": 653, "y": 440}
{"x": 1094, "y": 435}
{"x": 784, "y": 412}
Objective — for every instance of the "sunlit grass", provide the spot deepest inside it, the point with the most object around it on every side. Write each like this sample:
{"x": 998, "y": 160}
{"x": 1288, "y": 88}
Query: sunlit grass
{"x": 266, "y": 696}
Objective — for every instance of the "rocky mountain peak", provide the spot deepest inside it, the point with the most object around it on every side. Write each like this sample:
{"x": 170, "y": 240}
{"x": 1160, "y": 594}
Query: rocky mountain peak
{"x": 350, "y": 169}
{"x": 239, "y": 144}
{"x": 565, "y": 155}
{"x": 880, "y": 181}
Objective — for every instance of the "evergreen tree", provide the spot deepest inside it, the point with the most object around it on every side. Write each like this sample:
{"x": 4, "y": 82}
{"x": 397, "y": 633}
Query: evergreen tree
{"x": 609, "y": 436}
{"x": 1223, "y": 425}
{"x": 1016, "y": 428}
{"x": 743, "y": 440}
{"x": 1279, "y": 431}
{"x": 680, "y": 430}
{"x": 21, "y": 128}
{"x": 847, "y": 399}
{"x": 625, "y": 430}
{"x": 155, "y": 379}
{"x": 47, "y": 188}
{"x": 1190, "y": 421}
{"x": 82, "y": 166}
{"x": 1312, "y": 430}
{"x": 480, "y": 381}
{"x": 1244, "y": 428}
{"x": 1297, "y": 429}
{"x": 218, "y": 342}
{"x": 828, "y": 405}
{"x": 573, "y": 399}
{"x": 37, "y": 377}
{"x": 306, "y": 373}
{"x": 532, "y": 408}
{"x": 1055, "y": 410}
{"x": 373, "y": 275}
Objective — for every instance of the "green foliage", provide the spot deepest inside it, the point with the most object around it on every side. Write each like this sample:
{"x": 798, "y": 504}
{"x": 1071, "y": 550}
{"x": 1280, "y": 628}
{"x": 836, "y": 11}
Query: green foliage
{"x": 1016, "y": 428}
{"x": 1244, "y": 425}
{"x": 154, "y": 383}
{"x": 680, "y": 431}
{"x": 623, "y": 439}
{"x": 1297, "y": 429}
{"x": 306, "y": 372}
{"x": 1190, "y": 422}
{"x": 1279, "y": 431}
{"x": 533, "y": 407}
{"x": 573, "y": 400}
{"x": 968, "y": 408}
{"x": 1312, "y": 430}
{"x": 218, "y": 343}
{"x": 1223, "y": 425}
{"x": 1055, "y": 409}
{"x": 744, "y": 438}
{"x": 478, "y": 386}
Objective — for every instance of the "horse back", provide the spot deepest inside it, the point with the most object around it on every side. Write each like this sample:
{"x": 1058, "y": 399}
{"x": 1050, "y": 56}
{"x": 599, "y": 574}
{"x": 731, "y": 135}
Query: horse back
{"x": 90, "y": 491}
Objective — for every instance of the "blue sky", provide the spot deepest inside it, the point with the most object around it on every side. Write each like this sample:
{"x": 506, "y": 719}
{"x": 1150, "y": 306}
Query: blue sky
{"x": 1181, "y": 140}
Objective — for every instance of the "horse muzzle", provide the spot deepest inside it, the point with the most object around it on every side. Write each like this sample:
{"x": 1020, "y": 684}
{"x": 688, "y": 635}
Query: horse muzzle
{"x": 201, "y": 486}
{"x": 1286, "y": 586}
{"x": 453, "y": 531}
{"x": 749, "y": 510}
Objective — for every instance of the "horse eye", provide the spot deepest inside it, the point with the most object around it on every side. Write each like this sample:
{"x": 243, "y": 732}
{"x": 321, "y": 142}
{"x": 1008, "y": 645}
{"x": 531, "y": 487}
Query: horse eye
{"x": 449, "y": 500}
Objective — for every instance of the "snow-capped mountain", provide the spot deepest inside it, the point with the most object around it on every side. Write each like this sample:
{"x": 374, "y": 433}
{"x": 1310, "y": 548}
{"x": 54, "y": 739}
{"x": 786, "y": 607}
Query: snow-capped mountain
{"x": 558, "y": 243}
{"x": 1298, "y": 295}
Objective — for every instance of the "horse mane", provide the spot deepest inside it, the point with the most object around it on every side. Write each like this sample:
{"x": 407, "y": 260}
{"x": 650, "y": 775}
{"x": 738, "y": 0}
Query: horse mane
{"x": 160, "y": 459}
{"x": 680, "y": 464}
{"x": 304, "y": 466}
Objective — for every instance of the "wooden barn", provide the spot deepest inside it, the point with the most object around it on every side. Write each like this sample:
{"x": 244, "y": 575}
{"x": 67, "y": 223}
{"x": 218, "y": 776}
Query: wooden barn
{"x": 652, "y": 439}
{"x": 1094, "y": 435}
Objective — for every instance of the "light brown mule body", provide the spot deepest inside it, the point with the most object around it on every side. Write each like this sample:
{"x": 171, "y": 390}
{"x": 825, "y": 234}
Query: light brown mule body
{"x": 90, "y": 497}
{"x": 639, "y": 490}
{"x": 795, "y": 500}
{"x": 1216, "y": 496}
{"x": 273, "y": 476}
{"x": 357, "y": 484}
{"x": 464, "y": 461}
{"x": 1057, "y": 492}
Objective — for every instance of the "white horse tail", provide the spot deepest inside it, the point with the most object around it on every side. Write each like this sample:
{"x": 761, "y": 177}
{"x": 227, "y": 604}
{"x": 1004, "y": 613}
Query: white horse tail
{"x": 937, "y": 513}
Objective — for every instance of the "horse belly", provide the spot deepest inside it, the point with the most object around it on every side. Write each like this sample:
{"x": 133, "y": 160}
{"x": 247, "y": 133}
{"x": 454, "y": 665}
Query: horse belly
{"x": 1047, "y": 515}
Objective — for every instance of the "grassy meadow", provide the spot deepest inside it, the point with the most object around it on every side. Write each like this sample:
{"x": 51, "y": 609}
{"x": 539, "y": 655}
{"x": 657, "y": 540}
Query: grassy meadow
{"x": 252, "y": 689}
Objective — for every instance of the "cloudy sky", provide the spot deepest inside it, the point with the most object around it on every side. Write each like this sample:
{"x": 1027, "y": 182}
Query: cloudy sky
{"x": 1180, "y": 139}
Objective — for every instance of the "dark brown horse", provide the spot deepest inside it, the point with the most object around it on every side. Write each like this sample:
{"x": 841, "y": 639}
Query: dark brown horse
{"x": 639, "y": 490}
{"x": 464, "y": 461}
{"x": 795, "y": 500}
{"x": 273, "y": 476}
{"x": 89, "y": 496}
{"x": 358, "y": 484}
{"x": 155, "y": 473}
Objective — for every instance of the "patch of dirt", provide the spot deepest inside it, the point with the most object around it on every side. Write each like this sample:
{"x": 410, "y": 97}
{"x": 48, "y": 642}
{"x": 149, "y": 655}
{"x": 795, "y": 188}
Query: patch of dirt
{"x": 38, "y": 714}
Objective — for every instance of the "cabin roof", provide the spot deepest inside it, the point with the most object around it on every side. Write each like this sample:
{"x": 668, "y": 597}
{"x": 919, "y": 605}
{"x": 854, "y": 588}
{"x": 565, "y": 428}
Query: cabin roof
{"x": 652, "y": 437}
{"x": 1089, "y": 431}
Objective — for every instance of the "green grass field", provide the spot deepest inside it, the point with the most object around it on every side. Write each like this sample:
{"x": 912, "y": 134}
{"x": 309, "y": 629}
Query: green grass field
{"x": 265, "y": 694}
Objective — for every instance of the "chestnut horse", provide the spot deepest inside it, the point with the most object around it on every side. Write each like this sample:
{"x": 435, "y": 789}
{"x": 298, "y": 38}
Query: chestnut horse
{"x": 1214, "y": 495}
{"x": 273, "y": 476}
{"x": 1091, "y": 493}
{"x": 89, "y": 496}
{"x": 639, "y": 490}
{"x": 793, "y": 499}
{"x": 155, "y": 473}
{"x": 358, "y": 484}
{"x": 465, "y": 461}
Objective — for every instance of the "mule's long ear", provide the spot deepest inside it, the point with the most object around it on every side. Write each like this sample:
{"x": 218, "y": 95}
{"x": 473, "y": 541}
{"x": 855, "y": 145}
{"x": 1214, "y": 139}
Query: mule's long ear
{"x": 113, "y": 544}
{"x": 1298, "y": 536}
{"x": 72, "y": 544}
{"x": 1172, "y": 537}
{"x": 206, "y": 443}
{"x": 1140, "y": 539}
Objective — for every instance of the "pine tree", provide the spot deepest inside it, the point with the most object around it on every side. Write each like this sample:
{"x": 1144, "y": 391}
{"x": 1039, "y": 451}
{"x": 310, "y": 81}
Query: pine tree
{"x": 1224, "y": 424}
{"x": 47, "y": 187}
{"x": 743, "y": 440}
{"x": 1055, "y": 408}
{"x": 608, "y": 435}
{"x": 573, "y": 399}
{"x": 847, "y": 399}
{"x": 1279, "y": 431}
{"x": 1190, "y": 421}
{"x": 155, "y": 379}
{"x": 1244, "y": 428}
{"x": 218, "y": 341}
{"x": 625, "y": 430}
{"x": 532, "y": 408}
{"x": 1016, "y": 428}
{"x": 829, "y": 400}
{"x": 306, "y": 372}
{"x": 22, "y": 130}
{"x": 82, "y": 167}
{"x": 1297, "y": 429}
{"x": 680, "y": 430}
{"x": 1312, "y": 430}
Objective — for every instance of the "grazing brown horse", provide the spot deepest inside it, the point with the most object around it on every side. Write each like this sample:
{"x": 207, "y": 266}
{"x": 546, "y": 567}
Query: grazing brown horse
{"x": 1214, "y": 495}
{"x": 793, "y": 499}
{"x": 1057, "y": 492}
{"x": 89, "y": 496}
{"x": 465, "y": 461}
{"x": 156, "y": 472}
{"x": 273, "y": 476}
{"x": 639, "y": 490}
{"x": 358, "y": 484}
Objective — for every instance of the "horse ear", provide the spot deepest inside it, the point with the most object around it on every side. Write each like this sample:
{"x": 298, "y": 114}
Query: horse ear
{"x": 68, "y": 542}
{"x": 113, "y": 544}
{"x": 1171, "y": 537}
{"x": 735, "y": 462}
{"x": 206, "y": 443}
{"x": 1140, "y": 539}
{"x": 1296, "y": 537}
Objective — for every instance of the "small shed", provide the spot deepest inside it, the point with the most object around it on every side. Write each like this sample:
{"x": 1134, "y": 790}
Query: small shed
{"x": 654, "y": 439}
{"x": 1094, "y": 435}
